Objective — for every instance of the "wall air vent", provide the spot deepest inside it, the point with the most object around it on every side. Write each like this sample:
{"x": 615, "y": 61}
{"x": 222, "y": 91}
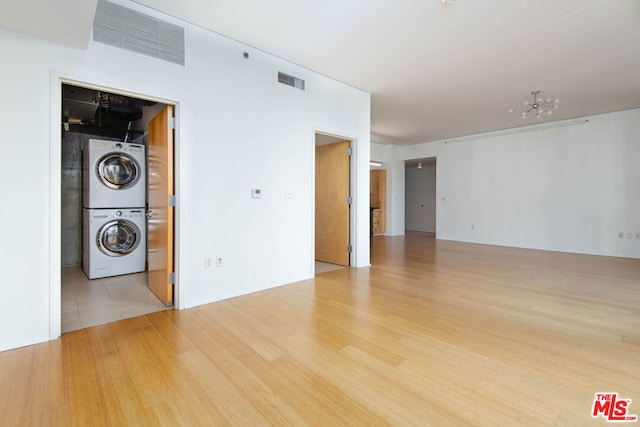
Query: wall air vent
{"x": 290, "y": 80}
{"x": 127, "y": 29}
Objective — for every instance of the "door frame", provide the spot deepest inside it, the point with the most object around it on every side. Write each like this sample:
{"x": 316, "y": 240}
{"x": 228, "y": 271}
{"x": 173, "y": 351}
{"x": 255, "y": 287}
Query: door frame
{"x": 435, "y": 194}
{"x": 352, "y": 192}
{"x": 56, "y": 80}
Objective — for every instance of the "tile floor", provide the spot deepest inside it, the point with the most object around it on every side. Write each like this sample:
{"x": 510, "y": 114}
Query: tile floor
{"x": 94, "y": 302}
{"x": 323, "y": 267}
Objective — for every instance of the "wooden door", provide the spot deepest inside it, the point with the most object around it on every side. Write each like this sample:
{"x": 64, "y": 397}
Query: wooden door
{"x": 332, "y": 207}
{"x": 161, "y": 221}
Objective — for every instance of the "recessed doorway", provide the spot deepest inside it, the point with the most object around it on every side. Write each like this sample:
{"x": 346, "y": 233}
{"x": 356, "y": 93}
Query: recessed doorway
{"x": 90, "y": 114}
{"x": 420, "y": 195}
{"x": 332, "y": 202}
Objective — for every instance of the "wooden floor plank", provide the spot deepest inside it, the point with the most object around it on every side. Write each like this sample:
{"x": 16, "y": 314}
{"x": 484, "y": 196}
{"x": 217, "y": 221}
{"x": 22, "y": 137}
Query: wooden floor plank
{"x": 184, "y": 402}
{"x": 434, "y": 333}
{"x": 227, "y": 352}
{"x": 122, "y": 403}
{"x": 49, "y": 391}
{"x": 85, "y": 393}
{"x": 17, "y": 385}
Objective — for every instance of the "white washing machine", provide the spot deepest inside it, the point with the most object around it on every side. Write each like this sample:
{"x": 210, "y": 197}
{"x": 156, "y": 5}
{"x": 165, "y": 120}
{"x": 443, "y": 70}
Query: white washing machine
{"x": 114, "y": 175}
{"x": 115, "y": 242}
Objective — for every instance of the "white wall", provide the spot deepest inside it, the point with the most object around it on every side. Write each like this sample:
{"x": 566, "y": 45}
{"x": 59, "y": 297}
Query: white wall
{"x": 570, "y": 188}
{"x": 237, "y": 129}
{"x": 420, "y": 197}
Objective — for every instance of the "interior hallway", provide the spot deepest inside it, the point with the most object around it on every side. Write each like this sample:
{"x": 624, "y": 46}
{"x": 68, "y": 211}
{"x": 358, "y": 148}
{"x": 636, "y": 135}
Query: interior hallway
{"x": 434, "y": 333}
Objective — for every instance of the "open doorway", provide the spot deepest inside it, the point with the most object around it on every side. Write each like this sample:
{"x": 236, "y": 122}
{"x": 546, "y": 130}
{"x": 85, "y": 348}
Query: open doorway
{"x": 377, "y": 208}
{"x": 332, "y": 202}
{"x": 116, "y": 152}
{"x": 378, "y": 200}
{"x": 420, "y": 195}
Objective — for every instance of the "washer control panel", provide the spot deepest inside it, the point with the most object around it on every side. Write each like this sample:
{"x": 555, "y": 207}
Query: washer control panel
{"x": 134, "y": 213}
{"x": 129, "y": 148}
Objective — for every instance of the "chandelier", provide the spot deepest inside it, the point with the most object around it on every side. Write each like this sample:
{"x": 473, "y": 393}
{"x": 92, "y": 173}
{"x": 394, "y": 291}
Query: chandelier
{"x": 538, "y": 106}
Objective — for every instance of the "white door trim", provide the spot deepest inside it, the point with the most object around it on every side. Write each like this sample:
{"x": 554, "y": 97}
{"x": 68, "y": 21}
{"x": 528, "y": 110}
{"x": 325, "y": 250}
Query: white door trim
{"x": 56, "y": 80}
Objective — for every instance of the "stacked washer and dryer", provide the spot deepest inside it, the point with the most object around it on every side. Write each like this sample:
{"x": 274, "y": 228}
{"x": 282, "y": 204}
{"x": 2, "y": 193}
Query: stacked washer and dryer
{"x": 114, "y": 200}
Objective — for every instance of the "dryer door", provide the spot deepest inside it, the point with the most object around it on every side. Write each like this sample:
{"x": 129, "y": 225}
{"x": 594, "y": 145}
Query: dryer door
{"x": 118, "y": 238}
{"x": 118, "y": 171}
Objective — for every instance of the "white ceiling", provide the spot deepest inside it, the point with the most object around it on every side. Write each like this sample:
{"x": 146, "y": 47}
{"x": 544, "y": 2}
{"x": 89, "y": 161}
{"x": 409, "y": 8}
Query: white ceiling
{"x": 434, "y": 72}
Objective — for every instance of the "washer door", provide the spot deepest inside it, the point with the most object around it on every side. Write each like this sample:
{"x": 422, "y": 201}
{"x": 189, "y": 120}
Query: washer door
{"x": 118, "y": 238}
{"x": 118, "y": 171}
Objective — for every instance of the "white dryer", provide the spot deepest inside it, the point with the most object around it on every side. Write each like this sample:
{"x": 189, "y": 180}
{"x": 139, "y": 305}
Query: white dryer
{"x": 115, "y": 242}
{"x": 114, "y": 175}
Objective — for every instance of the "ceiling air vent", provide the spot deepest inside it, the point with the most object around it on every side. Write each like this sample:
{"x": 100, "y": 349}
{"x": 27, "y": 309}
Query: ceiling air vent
{"x": 290, "y": 80}
{"x": 134, "y": 31}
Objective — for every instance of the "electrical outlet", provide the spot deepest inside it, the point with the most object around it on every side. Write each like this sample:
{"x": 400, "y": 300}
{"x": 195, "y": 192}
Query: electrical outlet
{"x": 629, "y": 235}
{"x": 208, "y": 263}
{"x": 219, "y": 261}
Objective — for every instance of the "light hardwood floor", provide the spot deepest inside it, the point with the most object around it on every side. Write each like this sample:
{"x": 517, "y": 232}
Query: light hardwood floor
{"x": 434, "y": 333}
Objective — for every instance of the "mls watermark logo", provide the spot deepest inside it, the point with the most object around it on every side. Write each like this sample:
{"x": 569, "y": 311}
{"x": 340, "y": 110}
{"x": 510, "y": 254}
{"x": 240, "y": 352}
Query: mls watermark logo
{"x": 612, "y": 408}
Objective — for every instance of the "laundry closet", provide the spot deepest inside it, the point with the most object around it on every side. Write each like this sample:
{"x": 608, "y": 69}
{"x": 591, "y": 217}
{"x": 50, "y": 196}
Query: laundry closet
{"x": 104, "y": 207}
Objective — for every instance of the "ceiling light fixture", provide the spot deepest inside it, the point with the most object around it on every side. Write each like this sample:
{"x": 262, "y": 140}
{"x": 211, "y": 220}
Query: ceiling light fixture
{"x": 538, "y": 106}
{"x": 419, "y": 165}
{"x": 446, "y": 3}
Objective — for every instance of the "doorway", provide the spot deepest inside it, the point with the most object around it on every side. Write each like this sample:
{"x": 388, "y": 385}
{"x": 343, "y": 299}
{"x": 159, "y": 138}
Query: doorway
{"x": 332, "y": 202}
{"x": 420, "y": 195}
{"x": 142, "y": 126}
